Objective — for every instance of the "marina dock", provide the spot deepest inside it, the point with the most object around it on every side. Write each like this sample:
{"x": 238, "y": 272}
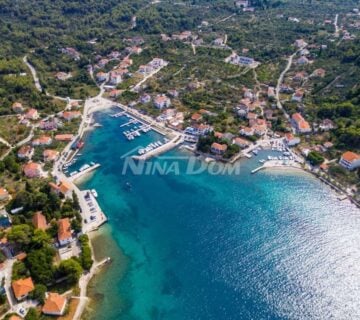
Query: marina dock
{"x": 163, "y": 148}
{"x": 79, "y": 174}
{"x": 132, "y": 113}
{"x": 132, "y": 121}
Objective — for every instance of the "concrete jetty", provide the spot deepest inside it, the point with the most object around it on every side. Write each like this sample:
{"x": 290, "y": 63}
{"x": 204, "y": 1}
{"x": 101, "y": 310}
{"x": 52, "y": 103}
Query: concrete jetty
{"x": 84, "y": 172}
{"x": 278, "y": 164}
{"x": 257, "y": 169}
{"x": 92, "y": 214}
{"x": 164, "y": 148}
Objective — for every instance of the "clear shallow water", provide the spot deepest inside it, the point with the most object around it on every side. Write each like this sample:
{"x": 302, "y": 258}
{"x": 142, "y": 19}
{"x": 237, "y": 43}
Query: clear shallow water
{"x": 265, "y": 246}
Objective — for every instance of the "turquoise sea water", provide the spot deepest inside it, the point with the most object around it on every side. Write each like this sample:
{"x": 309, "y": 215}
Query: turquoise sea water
{"x": 274, "y": 245}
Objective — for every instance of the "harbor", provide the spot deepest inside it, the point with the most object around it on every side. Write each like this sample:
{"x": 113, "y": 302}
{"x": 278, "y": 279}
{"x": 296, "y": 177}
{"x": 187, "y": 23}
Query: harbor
{"x": 139, "y": 124}
{"x": 144, "y": 210}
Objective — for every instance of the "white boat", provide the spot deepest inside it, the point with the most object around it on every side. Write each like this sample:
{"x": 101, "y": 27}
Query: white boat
{"x": 84, "y": 167}
{"x": 92, "y": 163}
{"x": 73, "y": 173}
{"x": 262, "y": 161}
{"x": 95, "y": 194}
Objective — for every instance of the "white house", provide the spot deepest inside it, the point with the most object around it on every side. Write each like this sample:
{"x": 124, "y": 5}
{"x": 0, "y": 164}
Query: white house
{"x": 161, "y": 101}
{"x": 115, "y": 78}
{"x": 350, "y": 160}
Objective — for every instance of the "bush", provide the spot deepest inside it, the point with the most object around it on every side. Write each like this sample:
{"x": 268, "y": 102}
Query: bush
{"x": 315, "y": 158}
{"x": 39, "y": 293}
{"x": 85, "y": 257}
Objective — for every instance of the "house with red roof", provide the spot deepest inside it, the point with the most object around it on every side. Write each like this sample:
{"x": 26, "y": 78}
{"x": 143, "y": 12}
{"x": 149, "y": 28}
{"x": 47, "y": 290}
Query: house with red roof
{"x": 64, "y": 232}
{"x": 350, "y": 160}
{"x": 32, "y": 170}
{"x": 300, "y": 124}
{"x": 25, "y": 152}
{"x": 70, "y": 115}
{"x": 218, "y": 148}
{"x": 63, "y": 188}
{"x": 115, "y": 93}
{"x": 42, "y": 141}
{"x": 242, "y": 143}
{"x": 39, "y": 221}
{"x": 64, "y": 137}
{"x": 162, "y": 101}
{"x": 32, "y": 114}
{"x": 196, "y": 117}
{"x": 50, "y": 155}
{"x": 291, "y": 140}
{"x": 247, "y": 131}
{"x": 54, "y": 305}
{"x": 4, "y": 194}
{"x": 259, "y": 129}
{"x": 22, "y": 287}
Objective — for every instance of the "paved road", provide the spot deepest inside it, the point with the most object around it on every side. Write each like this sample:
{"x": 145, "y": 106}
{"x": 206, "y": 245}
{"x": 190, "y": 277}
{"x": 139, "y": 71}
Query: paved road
{"x": 281, "y": 79}
{"x": 337, "y": 29}
{"x": 34, "y": 75}
{"x": 2, "y": 140}
{"x": 83, "y": 283}
{"x": 147, "y": 77}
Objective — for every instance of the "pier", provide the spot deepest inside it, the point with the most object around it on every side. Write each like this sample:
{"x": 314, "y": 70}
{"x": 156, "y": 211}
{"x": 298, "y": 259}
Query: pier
{"x": 92, "y": 214}
{"x": 83, "y": 172}
{"x": 159, "y": 128}
{"x": 117, "y": 115}
{"x": 163, "y": 148}
{"x": 257, "y": 169}
{"x": 278, "y": 164}
{"x": 132, "y": 121}
{"x": 132, "y": 134}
